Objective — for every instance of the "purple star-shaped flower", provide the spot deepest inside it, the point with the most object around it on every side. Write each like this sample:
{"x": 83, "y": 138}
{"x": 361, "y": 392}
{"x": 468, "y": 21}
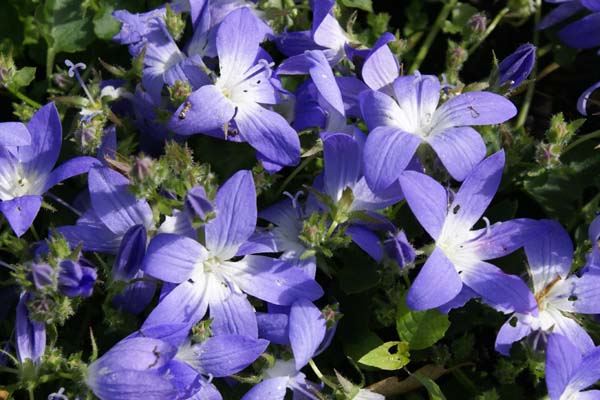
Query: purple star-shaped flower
{"x": 159, "y": 362}
{"x": 558, "y": 293}
{"x": 326, "y": 35}
{"x": 27, "y": 171}
{"x": 207, "y": 275}
{"x": 569, "y": 370}
{"x": 118, "y": 223}
{"x": 244, "y": 85}
{"x": 306, "y": 329}
{"x": 456, "y": 269}
{"x": 399, "y": 125}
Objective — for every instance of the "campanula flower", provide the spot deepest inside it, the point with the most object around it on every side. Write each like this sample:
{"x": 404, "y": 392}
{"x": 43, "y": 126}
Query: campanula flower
{"x": 283, "y": 236}
{"x": 398, "y": 248}
{"x": 569, "y": 370}
{"x": 118, "y": 223}
{"x": 133, "y": 369}
{"x": 399, "y": 125}
{"x": 238, "y": 96}
{"x": 197, "y": 204}
{"x": 581, "y": 34}
{"x": 42, "y": 275}
{"x": 457, "y": 260}
{"x": 582, "y": 102}
{"x": 516, "y": 67}
{"x": 14, "y": 134}
{"x": 31, "y": 335}
{"x": 75, "y": 279}
{"x": 306, "y": 331}
{"x": 326, "y": 35}
{"x": 211, "y": 358}
{"x": 27, "y": 171}
{"x": 165, "y": 63}
{"x": 332, "y": 98}
{"x": 559, "y": 294}
{"x": 207, "y": 275}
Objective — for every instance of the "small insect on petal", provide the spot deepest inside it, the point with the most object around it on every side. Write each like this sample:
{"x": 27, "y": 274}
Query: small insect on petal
{"x": 185, "y": 110}
{"x": 474, "y": 112}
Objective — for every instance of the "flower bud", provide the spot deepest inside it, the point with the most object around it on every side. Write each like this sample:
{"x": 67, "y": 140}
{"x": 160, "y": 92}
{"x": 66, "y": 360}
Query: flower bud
{"x": 478, "y": 23}
{"x": 76, "y": 280}
{"x": 197, "y": 203}
{"x": 517, "y": 67}
{"x": 398, "y": 248}
{"x": 31, "y": 335}
{"x": 142, "y": 168}
{"x": 41, "y": 275}
{"x": 131, "y": 254}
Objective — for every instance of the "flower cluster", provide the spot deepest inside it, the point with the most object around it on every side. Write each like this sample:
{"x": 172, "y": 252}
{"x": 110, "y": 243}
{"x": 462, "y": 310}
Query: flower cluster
{"x": 230, "y": 290}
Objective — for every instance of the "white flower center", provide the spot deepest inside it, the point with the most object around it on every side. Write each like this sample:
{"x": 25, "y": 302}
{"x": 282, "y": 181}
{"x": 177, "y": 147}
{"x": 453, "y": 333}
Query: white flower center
{"x": 17, "y": 184}
{"x": 281, "y": 368}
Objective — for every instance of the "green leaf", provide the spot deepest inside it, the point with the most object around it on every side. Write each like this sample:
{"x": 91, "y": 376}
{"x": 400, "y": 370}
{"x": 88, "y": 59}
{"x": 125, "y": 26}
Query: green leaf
{"x": 365, "y": 5}
{"x": 420, "y": 329}
{"x": 21, "y": 78}
{"x": 64, "y": 26}
{"x": 459, "y": 20}
{"x": 382, "y": 358}
{"x": 435, "y": 393}
{"x": 105, "y": 26}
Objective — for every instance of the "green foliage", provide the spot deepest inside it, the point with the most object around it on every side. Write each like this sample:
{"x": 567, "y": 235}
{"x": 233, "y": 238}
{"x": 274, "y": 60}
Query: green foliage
{"x": 434, "y": 391}
{"x": 384, "y": 357}
{"x": 420, "y": 329}
{"x": 65, "y": 26}
{"x": 553, "y": 171}
{"x": 459, "y": 20}
{"x": 365, "y": 5}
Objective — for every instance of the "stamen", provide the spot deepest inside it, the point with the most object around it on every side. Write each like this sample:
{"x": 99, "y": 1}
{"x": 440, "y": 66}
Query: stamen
{"x": 58, "y": 395}
{"x": 295, "y": 202}
{"x": 74, "y": 71}
{"x": 5, "y": 265}
{"x": 487, "y": 226}
{"x": 544, "y": 292}
{"x": 64, "y": 203}
{"x": 445, "y": 85}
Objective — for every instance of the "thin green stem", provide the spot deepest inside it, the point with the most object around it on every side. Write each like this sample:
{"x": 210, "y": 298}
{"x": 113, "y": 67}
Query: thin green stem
{"x": 319, "y": 375}
{"x": 50, "y": 63}
{"x": 584, "y": 138}
{"x": 531, "y": 88}
{"x": 23, "y": 98}
{"x": 550, "y": 68}
{"x": 332, "y": 228}
{"x": 295, "y": 172}
{"x": 31, "y": 394}
{"x": 404, "y": 274}
{"x": 544, "y": 50}
{"x": 465, "y": 381}
{"x": 489, "y": 30}
{"x": 437, "y": 25}
{"x": 34, "y": 232}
